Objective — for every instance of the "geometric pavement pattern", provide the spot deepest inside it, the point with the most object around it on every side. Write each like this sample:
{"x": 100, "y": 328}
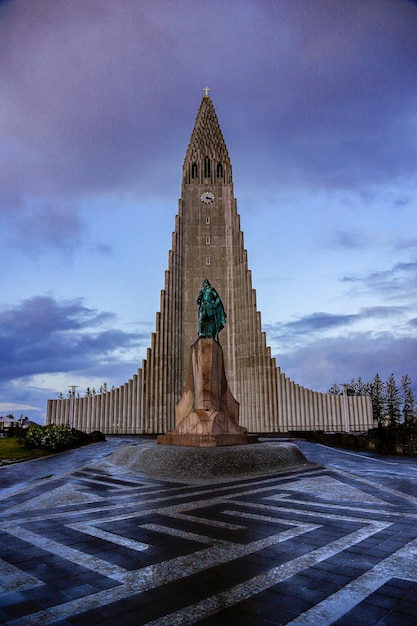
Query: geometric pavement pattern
{"x": 104, "y": 545}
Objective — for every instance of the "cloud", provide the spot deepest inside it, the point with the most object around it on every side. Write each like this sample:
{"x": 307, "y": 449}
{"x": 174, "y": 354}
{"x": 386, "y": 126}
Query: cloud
{"x": 10, "y": 408}
{"x": 306, "y": 327}
{"x": 42, "y": 335}
{"x": 309, "y": 327}
{"x": 349, "y": 239}
{"x": 337, "y": 360}
{"x": 38, "y": 228}
{"x": 344, "y": 66}
{"x": 93, "y": 94}
{"x": 396, "y": 282}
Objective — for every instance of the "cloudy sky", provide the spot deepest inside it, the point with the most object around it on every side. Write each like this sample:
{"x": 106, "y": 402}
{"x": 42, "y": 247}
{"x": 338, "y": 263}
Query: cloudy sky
{"x": 318, "y": 106}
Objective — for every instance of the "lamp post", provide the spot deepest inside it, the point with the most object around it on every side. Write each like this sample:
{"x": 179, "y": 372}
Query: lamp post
{"x": 73, "y": 388}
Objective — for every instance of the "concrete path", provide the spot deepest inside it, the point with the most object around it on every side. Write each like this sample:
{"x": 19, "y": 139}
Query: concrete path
{"x": 86, "y": 542}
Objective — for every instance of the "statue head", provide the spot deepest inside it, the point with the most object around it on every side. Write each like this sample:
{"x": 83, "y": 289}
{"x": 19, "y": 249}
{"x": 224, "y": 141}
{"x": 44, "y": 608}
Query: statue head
{"x": 205, "y": 283}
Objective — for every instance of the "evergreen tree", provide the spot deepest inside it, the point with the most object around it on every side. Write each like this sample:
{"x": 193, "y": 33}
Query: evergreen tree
{"x": 377, "y": 392}
{"x": 392, "y": 401}
{"x": 388, "y": 400}
{"x": 361, "y": 388}
{"x": 408, "y": 399}
{"x": 351, "y": 388}
{"x": 334, "y": 390}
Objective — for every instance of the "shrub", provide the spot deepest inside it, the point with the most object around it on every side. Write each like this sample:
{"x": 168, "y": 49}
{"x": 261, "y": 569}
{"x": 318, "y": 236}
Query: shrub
{"x": 33, "y": 437}
{"x": 96, "y": 436}
{"x": 50, "y": 437}
{"x": 55, "y": 438}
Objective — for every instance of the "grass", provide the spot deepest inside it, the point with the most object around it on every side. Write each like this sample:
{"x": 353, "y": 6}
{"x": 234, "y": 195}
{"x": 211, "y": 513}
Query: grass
{"x": 12, "y": 450}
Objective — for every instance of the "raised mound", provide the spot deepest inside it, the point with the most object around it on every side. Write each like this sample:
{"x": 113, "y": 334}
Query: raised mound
{"x": 178, "y": 463}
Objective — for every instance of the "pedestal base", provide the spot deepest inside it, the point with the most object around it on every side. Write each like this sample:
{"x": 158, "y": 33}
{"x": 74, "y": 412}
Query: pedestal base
{"x": 207, "y": 441}
{"x": 207, "y": 414}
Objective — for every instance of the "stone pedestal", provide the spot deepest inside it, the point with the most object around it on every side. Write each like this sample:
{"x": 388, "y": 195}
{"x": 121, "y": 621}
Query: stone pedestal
{"x": 207, "y": 414}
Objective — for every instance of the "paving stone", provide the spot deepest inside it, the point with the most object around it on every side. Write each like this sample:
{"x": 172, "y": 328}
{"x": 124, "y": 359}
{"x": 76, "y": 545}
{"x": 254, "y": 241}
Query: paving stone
{"x": 100, "y": 544}
{"x": 398, "y": 619}
{"x": 21, "y": 609}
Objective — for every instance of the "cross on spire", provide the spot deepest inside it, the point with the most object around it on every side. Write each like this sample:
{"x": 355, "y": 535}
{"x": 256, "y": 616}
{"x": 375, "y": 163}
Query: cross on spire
{"x": 206, "y": 89}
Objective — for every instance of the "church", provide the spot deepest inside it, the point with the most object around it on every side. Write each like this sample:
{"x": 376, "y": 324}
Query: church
{"x": 208, "y": 243}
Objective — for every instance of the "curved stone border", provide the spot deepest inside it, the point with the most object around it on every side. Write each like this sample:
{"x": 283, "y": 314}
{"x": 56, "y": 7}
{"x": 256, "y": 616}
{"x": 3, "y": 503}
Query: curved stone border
{"x": 177, "y": 463}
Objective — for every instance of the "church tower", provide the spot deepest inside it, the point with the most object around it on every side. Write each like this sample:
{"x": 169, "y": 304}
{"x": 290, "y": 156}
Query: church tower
{"x": 208, "y": 243}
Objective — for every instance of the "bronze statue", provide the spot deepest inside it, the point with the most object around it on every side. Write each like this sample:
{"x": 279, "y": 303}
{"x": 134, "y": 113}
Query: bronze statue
{"x": 211, "y": 314}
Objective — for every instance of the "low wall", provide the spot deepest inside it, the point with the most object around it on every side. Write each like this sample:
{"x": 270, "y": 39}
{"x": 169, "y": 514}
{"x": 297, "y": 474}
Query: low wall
{"x": 400, "y": 440}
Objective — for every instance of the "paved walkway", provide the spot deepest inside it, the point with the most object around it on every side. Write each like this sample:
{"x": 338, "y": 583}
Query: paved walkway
{"x": 86, "y": 542}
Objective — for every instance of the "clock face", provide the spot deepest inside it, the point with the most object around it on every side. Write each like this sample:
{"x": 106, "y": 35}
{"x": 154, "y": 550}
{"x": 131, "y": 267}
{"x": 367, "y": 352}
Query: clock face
{"x": 207, "y": 197}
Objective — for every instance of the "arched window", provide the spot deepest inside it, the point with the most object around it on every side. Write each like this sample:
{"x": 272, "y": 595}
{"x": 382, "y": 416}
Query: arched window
{"x": 194, "y": 170}
{"x": 207, "y": 167}
{"x": 219, "y": 170}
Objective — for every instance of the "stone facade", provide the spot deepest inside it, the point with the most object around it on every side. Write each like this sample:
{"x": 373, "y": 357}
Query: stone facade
{"x": 208, "y": 243}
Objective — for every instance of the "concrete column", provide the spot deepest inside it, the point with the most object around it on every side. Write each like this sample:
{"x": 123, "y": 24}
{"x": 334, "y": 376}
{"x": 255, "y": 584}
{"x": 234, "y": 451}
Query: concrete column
{"x": 50, "y": 411}
{"x": 282, "y": 424}
{"x": 315, "y": 409}
{"x": 157, "y": 373}
{"x": 89, "y": 412}
{"x": 139, "y": 425}
{"x": 104, "y": 411}
{"x": 127, "y": 425}
{"x": 297, "y": 407}
{"x": 321, "y": 410}
{"x": 123, "y": 409}
{"x": 114, "y": 408}
{"x": 287, "y": 401}
{"x": 134, "y": 403}
{"x": 309, "y": 406}
{"x": 164, "y": 400}
{"x": 95, "y": 412}
{"x": 303, "y": 400}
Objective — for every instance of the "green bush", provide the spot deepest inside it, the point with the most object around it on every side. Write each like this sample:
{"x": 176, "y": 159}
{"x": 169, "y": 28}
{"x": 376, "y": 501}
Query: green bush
{"x": 55, "y": 438}
{"x": 50, "y": 437}
{"x": 96, "y": 436}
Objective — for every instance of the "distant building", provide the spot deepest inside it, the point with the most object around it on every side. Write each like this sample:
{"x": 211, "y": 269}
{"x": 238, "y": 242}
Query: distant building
{"x": 208, "y": 243}
{"x": 7, "y": 422}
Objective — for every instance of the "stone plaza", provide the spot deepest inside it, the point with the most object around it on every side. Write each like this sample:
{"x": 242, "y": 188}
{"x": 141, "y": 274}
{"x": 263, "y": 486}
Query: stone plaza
{"x": 330, "y": 541}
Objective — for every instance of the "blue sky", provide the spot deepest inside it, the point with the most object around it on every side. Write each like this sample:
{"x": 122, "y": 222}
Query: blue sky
{"x": 317, "y": 102}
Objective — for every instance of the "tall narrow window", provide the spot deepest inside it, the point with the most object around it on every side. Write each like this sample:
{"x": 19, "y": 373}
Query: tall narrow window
{"x": 207, "y": 219}
{"x": 194, "y": 171}
{"x": 207, "y": 167}
{"x": 207, "y": 240}
{"x": 207, "y": 260}
{"x": 219, "y": 170}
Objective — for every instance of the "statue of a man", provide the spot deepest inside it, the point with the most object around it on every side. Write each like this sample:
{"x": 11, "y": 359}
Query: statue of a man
{"x": 211, "y": 315}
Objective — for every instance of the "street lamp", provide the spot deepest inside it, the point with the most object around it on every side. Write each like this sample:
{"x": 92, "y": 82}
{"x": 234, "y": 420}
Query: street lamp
{"x": 73, "y": 388}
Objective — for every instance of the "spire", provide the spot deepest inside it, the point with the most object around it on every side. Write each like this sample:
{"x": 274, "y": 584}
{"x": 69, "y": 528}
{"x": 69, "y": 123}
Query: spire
{"x": 206, "y": 142}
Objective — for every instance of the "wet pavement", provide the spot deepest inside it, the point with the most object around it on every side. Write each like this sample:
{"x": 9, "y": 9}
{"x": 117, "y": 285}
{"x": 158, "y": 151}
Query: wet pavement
{"x": 20, "y": 475}
{"x": 83, "y": 541}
